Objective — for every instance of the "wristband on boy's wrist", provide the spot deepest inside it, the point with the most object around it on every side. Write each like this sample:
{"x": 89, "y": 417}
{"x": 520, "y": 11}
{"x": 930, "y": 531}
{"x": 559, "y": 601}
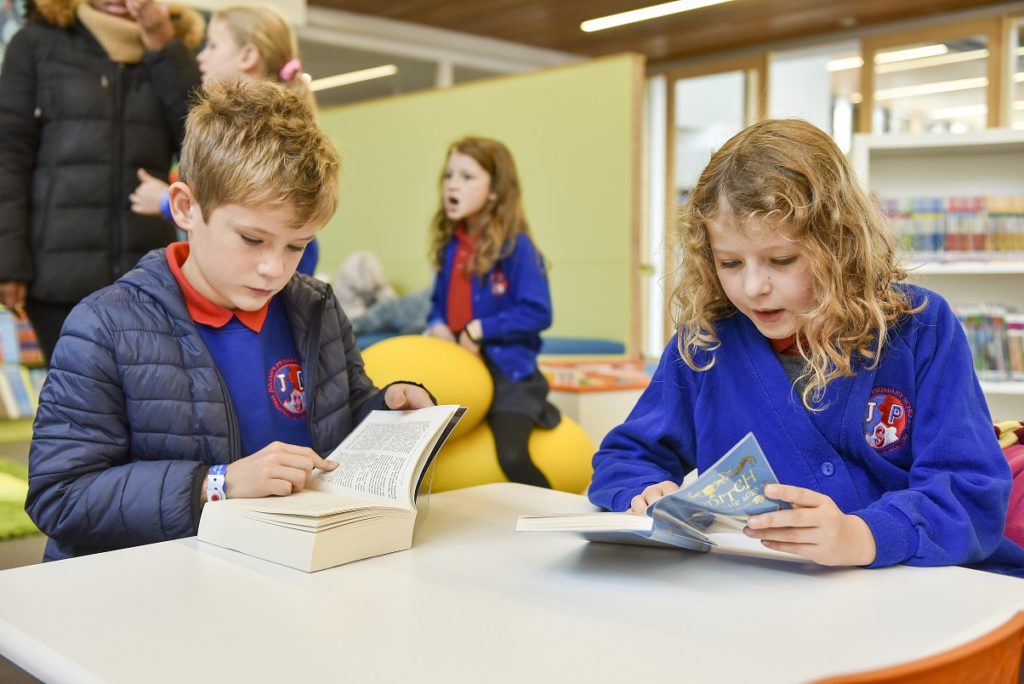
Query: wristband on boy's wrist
{"x": 165, "y": 206}
{"x": 216, "y": 483}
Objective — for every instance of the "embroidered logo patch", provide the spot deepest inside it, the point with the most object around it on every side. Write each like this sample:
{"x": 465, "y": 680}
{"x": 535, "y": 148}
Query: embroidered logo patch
{"x": 499, "y": 283}
{"x": 887, "y": 419}
{"x": 287, "y": 389}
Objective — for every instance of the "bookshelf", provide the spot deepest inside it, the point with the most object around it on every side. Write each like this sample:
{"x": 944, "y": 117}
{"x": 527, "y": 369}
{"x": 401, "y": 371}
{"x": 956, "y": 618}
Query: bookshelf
{"x": 988, "y": 163}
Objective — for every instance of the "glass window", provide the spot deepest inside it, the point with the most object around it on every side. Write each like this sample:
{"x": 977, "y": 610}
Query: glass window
{"x": 932, "y": 87}
{"x": 819, "y": 84}
{"x": 709, "y": 110}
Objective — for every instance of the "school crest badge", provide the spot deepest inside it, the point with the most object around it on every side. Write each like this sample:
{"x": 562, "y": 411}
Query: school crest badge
{"x": 287, "y": 389}
{"x": 887, "y": 418}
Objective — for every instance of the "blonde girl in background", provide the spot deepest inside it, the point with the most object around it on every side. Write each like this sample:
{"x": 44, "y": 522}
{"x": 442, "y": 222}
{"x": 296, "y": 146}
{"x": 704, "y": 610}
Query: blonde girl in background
{"x": 794, "y": 325}
{"x": 242, "y": 42}
{"x": 491, "y": 293}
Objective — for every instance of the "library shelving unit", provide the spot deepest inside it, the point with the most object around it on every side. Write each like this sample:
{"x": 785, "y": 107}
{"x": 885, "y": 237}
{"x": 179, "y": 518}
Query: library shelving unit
{"x": 988, "y": 162}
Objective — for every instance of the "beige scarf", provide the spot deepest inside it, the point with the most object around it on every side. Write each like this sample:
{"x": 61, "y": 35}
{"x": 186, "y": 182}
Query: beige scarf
{"x": 119, "y": 37}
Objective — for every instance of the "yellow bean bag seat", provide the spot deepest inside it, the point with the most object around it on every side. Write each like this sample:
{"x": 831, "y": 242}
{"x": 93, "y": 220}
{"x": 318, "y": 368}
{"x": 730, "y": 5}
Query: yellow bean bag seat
{"x": 452, "y": 374}
{"x": 455, "y": 376}
{"x": 563, "y": 454}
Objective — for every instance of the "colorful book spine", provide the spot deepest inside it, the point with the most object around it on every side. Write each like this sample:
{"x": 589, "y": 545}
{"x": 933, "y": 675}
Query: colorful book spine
{"x": 989, "y": 226}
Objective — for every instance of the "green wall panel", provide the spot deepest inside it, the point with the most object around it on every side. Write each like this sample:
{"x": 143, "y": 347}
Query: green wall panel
{"x": 573, "y": 132}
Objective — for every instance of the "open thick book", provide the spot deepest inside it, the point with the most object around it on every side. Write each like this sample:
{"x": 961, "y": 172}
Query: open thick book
{"x": 707, "y": 513}
{"x": 365, "y": 507}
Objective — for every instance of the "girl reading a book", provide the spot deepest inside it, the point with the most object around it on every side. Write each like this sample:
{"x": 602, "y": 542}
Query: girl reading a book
{"x": 793, "y": 323}
{"x": 491, "y": 293}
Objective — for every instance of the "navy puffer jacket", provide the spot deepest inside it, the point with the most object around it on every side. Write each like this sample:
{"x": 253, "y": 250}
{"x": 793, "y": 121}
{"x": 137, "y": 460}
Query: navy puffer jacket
{"x": 134, "y": 411}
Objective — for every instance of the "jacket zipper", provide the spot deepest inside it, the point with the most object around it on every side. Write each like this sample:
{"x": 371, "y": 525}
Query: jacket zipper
{"x": 234, "y": 436}
{"x": 309, "y": 364}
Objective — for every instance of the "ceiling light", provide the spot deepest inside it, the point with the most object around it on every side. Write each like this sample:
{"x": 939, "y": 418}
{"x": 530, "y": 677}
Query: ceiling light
{"x": 889, "y": 57}
{"x": 938, "y": 60}
{"x": 931, "y": 88}
{"x": 353, "y": 77}
{"x": 958, "y": 112}
{"x": 968, "y": 110}
{"x": 911, "y": 53}
{"x": 645, "y": 13}
{"x": 844, "y": 63}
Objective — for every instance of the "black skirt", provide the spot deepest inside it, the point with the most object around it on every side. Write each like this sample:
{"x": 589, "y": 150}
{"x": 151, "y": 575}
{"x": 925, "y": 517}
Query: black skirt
{"x": 528, "y": 397}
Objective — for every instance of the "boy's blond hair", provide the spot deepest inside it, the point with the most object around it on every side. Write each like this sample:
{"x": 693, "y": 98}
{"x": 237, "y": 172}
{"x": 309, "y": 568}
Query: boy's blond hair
{"x": 255, "y": 143}
{"x": 787, "y": 172}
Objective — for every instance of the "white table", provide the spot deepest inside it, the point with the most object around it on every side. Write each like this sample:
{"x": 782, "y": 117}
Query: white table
{"x": 476, "y": 601}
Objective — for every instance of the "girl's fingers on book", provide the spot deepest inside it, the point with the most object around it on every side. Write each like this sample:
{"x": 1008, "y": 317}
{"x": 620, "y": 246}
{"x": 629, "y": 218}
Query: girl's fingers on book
{"x": 793, "y": 517}
{"x": 798, "y": 496}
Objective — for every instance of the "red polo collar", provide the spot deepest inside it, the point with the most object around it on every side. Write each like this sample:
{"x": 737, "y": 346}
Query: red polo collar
{"x": 201, "y": 309}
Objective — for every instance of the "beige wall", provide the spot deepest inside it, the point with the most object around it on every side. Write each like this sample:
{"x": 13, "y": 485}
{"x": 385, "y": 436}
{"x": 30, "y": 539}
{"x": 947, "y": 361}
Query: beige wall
{"x": 574, "y": 133}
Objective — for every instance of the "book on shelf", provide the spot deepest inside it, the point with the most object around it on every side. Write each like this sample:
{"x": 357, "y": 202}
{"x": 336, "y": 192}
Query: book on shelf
{"x": 19, "y": 390}
{"x": 10, "y": 350}
{"x": 706, "y": 514}
{"x": 996, "y": 338}
{"x": 989, "y": 226}
{"x": 365, "y": 507}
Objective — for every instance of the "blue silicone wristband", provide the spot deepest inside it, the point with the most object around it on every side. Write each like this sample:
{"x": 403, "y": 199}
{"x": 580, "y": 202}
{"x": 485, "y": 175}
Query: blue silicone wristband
{"x": 165, "y": 206}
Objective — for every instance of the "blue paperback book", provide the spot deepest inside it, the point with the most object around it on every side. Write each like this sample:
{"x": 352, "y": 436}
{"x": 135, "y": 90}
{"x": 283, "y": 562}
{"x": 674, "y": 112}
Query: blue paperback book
{"x": 706, "y": 514}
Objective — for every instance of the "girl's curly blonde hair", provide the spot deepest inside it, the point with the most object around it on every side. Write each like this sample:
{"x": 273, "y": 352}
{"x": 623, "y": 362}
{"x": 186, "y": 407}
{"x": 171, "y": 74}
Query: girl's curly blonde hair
{"x": 787, "y": 172}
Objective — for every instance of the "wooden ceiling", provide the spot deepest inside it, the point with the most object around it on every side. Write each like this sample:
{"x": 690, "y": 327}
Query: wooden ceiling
{"x": 555, "y": 24}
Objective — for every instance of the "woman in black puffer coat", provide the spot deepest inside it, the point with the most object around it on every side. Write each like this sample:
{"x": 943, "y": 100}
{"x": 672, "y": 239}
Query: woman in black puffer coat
{"x": 90, "y": 91}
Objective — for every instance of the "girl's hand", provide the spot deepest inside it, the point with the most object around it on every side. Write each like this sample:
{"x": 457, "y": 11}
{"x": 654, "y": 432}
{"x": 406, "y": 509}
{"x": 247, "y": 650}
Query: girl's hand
{"x": 469, "y": 345}
{"x": 654, "y": 492}
{"x": 405, "y": 397}
{"x": 154, "y": 22}
{"x": 440, "y": 331}
{"x": 277, "y": 469}
{"x": 146, "y": 198}
{"x": 814, "y": 528}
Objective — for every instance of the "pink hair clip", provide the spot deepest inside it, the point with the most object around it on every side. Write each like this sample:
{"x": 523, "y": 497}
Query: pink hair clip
{"x": 290, "y": 68}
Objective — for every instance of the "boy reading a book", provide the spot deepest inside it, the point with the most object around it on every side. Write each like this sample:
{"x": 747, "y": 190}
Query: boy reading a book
{"x": 212, "y": 369}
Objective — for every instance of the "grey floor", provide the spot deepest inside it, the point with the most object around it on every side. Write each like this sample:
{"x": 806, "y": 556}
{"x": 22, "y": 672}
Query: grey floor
{"x": 15, "y": 553}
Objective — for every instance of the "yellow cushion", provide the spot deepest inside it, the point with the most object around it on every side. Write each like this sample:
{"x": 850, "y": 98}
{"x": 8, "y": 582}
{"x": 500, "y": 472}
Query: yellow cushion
{"x": 563, "y": 454}
{"x": 452, "y": 374}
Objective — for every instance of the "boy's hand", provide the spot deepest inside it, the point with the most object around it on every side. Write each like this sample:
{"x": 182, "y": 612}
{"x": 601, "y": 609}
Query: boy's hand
{"x": 440, "y": 331}
{"x": 654, "y": 492}
{"x": 154, "y": 22}
{"x": 146, "y": 198}
{"x": 277, "y": 469}
{"x": 401, "y": 396}
{"x": 814, "y": 528}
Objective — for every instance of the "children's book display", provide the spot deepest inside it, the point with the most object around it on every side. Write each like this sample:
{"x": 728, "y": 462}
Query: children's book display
{"x": 21, "y": 372}
{"x": 595, "y": 374}
{"x": 365, "y": 507}
{"x": 707, "y": 514}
